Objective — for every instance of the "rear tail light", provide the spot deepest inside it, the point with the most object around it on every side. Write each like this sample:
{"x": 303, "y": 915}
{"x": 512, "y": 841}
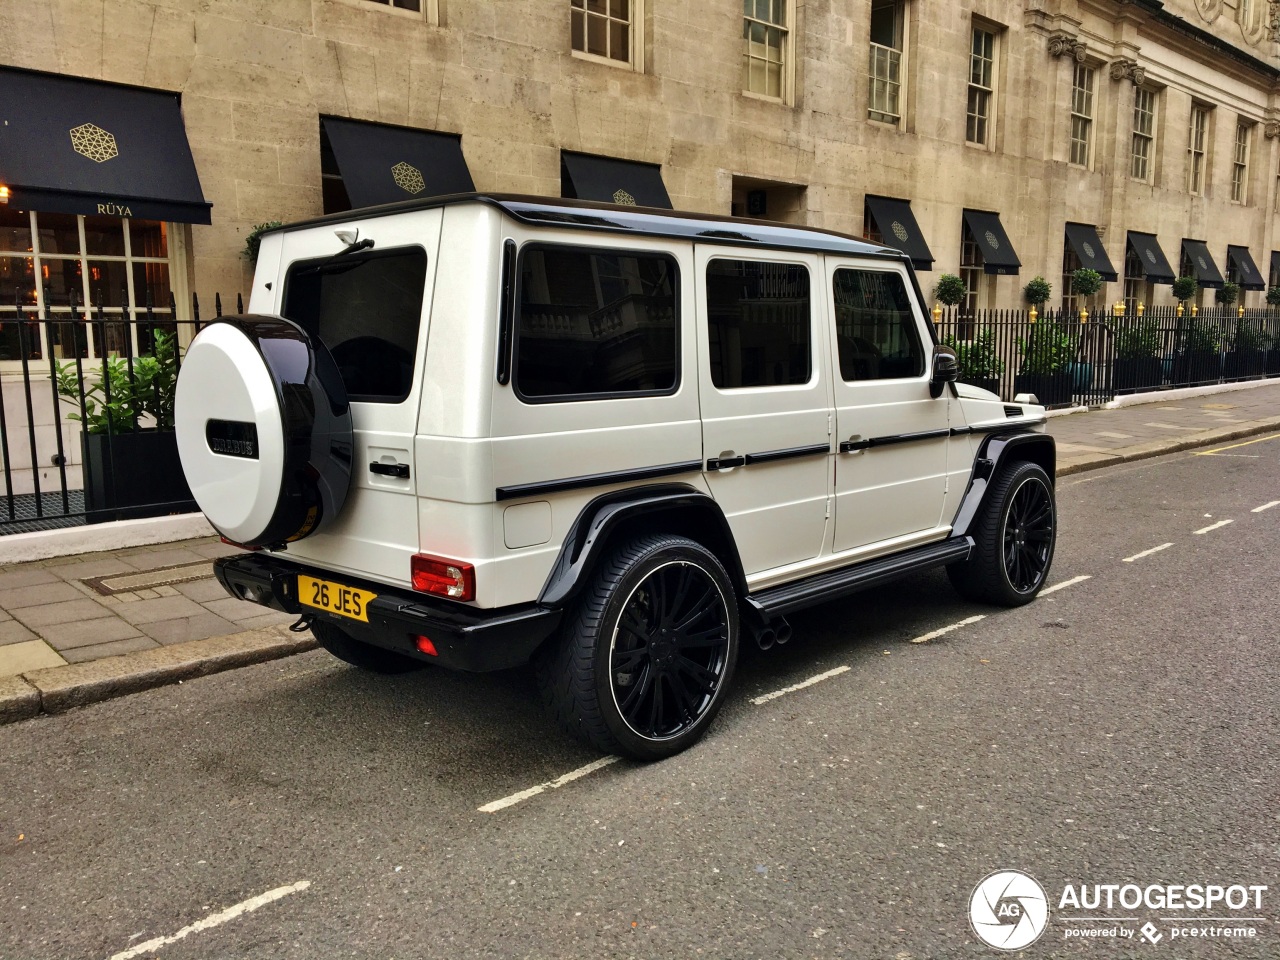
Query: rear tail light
{"x": 425, "y": 645}
{"x": 443, "y": 578}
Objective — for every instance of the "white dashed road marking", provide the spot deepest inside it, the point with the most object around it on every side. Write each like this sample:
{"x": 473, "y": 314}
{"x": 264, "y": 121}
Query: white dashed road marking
{"x": 800, "y": 686}
{"x": 1064, "y": 584}
{"x": 945, "y": 630}
{"x": 1213, "y": 526}
{"x": 555, "y": 784}
{"x": 213, "y": 920}
{"x": 1147, "y": 553}
{"x": 1266, "y": 506}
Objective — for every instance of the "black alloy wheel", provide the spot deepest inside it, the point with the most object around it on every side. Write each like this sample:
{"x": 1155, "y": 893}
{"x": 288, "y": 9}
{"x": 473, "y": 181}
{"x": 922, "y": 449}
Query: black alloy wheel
{"x": 1028, "y": 535}
{"x": 669, "y": 651}
{"x": 645, "y": 660}
{"x": 1014, "y": 536}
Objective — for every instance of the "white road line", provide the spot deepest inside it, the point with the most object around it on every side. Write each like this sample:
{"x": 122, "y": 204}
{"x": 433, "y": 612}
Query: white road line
{"x": 1266, "y": 506}
{"x": 555, "y": 784}
{"x": 800, "y": 686}
{"x": 213, "y": 920}
{"x": 1064, "y": 584}
{"x": 1213, "y": 526}
{"x": 945, "y": 630}
{"x": 1147, "y": 553}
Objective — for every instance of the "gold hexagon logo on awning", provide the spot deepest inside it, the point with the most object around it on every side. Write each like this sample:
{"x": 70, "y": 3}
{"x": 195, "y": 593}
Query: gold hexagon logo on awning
{"x": 621, "y": 196}
{"x": 408, "y": 178}
{"x": 90, "y": 140}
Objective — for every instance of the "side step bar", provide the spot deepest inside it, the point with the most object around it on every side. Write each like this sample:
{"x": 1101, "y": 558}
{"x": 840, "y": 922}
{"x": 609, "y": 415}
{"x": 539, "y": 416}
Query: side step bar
{"x": 778, "y": 601}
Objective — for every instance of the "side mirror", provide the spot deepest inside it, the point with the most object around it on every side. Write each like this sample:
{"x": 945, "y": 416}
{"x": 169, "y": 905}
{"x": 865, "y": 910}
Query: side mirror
{"x": 946, "y": 369}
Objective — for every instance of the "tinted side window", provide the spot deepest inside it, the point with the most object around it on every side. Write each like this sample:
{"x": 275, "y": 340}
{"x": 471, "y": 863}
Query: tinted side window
{"x": 595, "y": 323}
{"x": 876, "y": 332}
{"x": 758, "y": 316}
{"x": 366, "y": 308}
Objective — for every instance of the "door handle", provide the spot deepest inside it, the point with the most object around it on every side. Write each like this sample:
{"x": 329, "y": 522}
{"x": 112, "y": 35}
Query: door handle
{"x": 725, "y": 463}
{"x": 854, "y": 445}
{"x": 398, "y": 470}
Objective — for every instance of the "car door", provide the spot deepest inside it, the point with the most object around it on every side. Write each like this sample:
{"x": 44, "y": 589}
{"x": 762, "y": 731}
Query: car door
{"x": 370, "y": 308}
{"x": 763, "y": 390}
{"x": 892, "y": 435}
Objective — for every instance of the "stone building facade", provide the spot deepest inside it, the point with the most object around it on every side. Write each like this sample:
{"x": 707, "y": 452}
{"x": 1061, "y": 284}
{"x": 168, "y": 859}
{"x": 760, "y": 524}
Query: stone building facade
{"x": 1127, "y": 116}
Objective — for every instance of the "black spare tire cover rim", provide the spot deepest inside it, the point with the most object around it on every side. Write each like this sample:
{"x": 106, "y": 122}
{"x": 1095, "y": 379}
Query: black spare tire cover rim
{"x": 264, "y": 429}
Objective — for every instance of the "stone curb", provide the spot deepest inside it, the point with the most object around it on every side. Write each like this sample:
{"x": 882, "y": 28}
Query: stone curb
{"x": 54, "y": 689}
{"x": 1158, "y": 448}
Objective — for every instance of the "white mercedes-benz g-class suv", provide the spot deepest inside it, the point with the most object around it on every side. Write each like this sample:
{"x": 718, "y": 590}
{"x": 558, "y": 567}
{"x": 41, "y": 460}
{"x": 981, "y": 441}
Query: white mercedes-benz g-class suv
{"x": 480, "y": 431}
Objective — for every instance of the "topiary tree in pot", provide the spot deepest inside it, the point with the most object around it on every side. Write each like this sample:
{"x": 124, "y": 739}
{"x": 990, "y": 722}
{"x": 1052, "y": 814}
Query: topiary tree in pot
{"x": 1184, "y": 288}
{"x": 1227, "y": 294}
{"x": 1037, "y": 292}
{"x": 1086, "y": 283}
{"x": 1273, "y": 297}
{"x": 950, "y": 290}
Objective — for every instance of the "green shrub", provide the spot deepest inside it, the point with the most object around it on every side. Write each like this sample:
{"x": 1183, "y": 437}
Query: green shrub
{"x": 1249, "y": 337}
{"x": 978, "y": 357}
{"x": 1037, "y": 291}
{"x": 254, "y": 240}
{"x": 149, "y": 391}
{"x": 1228, "y": 293}
{"x": 1086, "y": 282}
{"x": 1184, "y": 288}
{"x": 1138, "y": 341}
{"x": 1273, "y": 297}
{"x": 950, "y": 290}
{"x": 1047, "y": 348}
{"x": 1200, "y": 337}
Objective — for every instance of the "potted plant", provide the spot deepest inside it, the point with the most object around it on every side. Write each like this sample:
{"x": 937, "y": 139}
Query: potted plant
{"x": 1273, "y": 297}
{"x": 1184, "y": 288}
{"x": 950, "y": 290}
{"x": 1037, "y": 292}
{"x": 1199, "y": 359}
{"x": 254, "y": 239}
{"x": 128, "y": 447}
{"x": 1047, "y": 352}
{"x": 1137, "y": 365}
{"x": 1272, "y": 366}
{"x": 1247, "y": 356}
{"x": 980, "y": 364}
{"x": 1228, "y": 293}
{"x": 1086, "y": 283}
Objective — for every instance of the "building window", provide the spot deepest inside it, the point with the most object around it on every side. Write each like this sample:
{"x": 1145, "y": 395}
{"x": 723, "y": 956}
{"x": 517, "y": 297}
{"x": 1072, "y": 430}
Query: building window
{"x": 1070, "y": 264}
{"x": 1082, "y": 114}
{"x": 427, "y": 8}
{"x": 974, "y": 276}
{"x": 1240, "y": 164}
{"x": 1136, "y": 288}
{"x": 1196, "y": 148}
{"x": 888, "y": 18}
{"x": 118, "y": 267}
{"x": 981, "y": 86}
{"x": 765, "y": 36}
{"x": 605, "y": 28}
{"x": 1144, "y": 134}
{"x": 1188, "y": 269}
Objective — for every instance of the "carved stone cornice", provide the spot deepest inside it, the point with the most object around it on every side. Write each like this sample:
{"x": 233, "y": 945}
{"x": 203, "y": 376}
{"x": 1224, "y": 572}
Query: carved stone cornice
{"x": 1065, "y": 44}
{"x": 1124, "y": 68}
{"x": 1272, "y": 129}
{"x": 1273, "y": 20}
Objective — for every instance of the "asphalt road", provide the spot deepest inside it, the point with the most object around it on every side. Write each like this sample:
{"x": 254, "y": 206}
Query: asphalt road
{"x": 1121, "y": 730}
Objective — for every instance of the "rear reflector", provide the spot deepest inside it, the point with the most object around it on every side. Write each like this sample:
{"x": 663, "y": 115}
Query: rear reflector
{"x": 443, "y": 578}
{"x": 238, "y": 546}
{"x": 426, "y": 646}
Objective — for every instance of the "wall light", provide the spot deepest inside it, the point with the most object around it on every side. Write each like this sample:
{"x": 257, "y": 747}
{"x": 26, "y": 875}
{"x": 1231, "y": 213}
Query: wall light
{"x": 4, "y": 194}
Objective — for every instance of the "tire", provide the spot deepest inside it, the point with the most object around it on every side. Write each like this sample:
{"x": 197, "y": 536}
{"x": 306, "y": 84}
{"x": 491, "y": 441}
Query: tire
{"x": 645, "y": 661}
{"x": 1014, "y": 538}
{"x": 359, "y": 654}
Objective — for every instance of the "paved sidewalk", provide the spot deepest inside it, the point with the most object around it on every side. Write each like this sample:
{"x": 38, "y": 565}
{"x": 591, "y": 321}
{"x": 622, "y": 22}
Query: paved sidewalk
{"x": 84, "y": 628}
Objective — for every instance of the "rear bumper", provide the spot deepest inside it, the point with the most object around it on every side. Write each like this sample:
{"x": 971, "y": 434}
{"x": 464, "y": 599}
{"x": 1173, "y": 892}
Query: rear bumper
{"x": 466, "y": 638}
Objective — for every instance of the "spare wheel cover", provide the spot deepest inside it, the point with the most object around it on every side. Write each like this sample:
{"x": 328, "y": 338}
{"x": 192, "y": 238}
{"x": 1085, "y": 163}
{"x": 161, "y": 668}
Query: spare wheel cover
{"x": 264, "y": 429}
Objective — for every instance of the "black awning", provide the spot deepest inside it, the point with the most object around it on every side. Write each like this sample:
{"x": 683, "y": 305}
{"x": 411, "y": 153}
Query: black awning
{"x": 898, "y": 229}
{"x": 1155, "y": 265}
{"x": 382, "y": 164}
{"x": 1088, "y": 246}
{"x": 1202, "y": 265}
{"x": 584, "y": 177}
{"x": 1246, "y": 271}
{"x": 79, "y": 146}
{"x": 998, "y": 255}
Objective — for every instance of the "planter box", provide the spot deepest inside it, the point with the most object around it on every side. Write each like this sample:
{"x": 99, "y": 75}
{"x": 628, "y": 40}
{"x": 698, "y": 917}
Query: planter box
{"x": 1273, "y": 362}
{"x": 1051, "y": 389}
{"x": 1201, "y": 366}
{"x": 1244, "y": 364}
{"x": 131, "y": 475}
{"x": 1142, "y": 373}
{"x": 986, "y": 383}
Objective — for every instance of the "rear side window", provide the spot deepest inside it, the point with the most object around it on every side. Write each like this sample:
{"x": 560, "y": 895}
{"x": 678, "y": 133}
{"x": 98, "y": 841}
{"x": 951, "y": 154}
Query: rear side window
{"x": 876, "y": 333}
{"x": 366, "y": 308}
{"x": 760, "y": 330}
{"x": 594, "y": 323}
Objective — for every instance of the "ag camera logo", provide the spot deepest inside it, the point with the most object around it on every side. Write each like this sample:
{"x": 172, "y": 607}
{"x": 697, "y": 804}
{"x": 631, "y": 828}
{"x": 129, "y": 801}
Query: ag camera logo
{"x": 1009, "y": 910}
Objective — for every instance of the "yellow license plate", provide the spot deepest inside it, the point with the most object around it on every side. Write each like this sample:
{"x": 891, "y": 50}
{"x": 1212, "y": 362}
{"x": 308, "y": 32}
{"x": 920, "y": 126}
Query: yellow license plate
{"x": 335, "y": 598}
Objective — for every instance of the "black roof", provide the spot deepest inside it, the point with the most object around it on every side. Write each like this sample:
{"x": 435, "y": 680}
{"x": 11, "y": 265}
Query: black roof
{"x": 635, "y": 221}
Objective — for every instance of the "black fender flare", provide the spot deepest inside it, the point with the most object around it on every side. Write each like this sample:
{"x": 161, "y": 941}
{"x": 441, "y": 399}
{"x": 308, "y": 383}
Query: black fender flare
{"x": 588, "y": 539}
{"x": 997, "y": 450}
